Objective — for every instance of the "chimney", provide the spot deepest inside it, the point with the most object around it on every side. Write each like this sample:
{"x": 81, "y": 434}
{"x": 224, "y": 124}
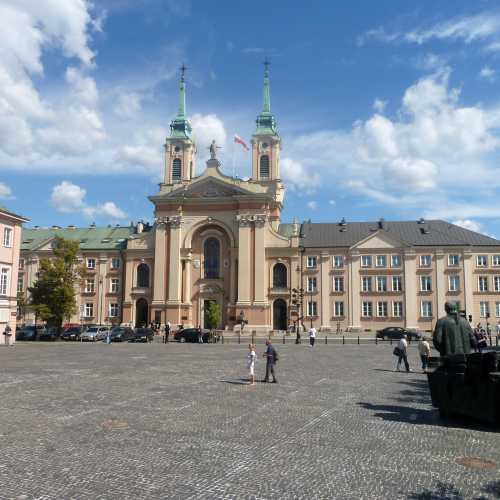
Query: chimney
{"x": 140, "y": 227}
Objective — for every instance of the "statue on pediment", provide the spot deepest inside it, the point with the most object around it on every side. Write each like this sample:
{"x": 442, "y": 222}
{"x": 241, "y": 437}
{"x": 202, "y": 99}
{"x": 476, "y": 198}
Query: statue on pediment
{"x": 213, "y": 150}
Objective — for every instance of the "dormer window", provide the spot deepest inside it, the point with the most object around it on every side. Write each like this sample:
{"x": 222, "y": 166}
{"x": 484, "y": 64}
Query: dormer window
{"x": 176, "y": 169}
{"x": 264, "y": 167}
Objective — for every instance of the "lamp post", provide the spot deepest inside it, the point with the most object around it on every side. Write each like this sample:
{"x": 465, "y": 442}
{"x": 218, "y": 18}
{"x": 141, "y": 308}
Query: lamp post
{"x": 301, "y": 288}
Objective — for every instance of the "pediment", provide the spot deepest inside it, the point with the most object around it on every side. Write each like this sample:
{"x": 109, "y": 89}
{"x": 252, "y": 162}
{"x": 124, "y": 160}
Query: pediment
{"x": 209, "y": 188}
{"x": 379, "y": 240}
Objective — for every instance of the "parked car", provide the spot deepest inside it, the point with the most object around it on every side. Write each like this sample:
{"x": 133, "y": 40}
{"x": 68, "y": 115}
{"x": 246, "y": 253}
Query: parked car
{"x": 30, "y": 332}
{"x": 94, "y": 333}
{"x": 396, "y": 332}
{"x": 51, "y": 333}
{"x": 72, "y": 333}
{"x": 142, "y": 335}
{"x": 121, "y": 334}
{"x": 190, "y": 335}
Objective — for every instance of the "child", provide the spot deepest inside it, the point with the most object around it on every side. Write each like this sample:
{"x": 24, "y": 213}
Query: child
{"x": 251, "y": 363}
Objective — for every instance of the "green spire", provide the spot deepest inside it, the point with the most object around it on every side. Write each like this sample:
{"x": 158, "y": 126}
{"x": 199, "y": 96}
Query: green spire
{"x": 266, "y": 123}
{"x": 180, "y": 128}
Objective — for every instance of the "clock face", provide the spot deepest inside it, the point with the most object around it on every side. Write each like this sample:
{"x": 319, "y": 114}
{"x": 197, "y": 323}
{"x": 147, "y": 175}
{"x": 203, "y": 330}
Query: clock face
{"x": 265, "y": 145}
{"x": 177, "y": 149}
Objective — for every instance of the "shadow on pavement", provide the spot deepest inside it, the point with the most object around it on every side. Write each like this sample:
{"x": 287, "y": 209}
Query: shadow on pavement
{"x": 447, "y": 491}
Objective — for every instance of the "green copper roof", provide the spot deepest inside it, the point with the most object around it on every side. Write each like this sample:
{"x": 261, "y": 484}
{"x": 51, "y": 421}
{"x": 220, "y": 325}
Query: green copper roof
{"x": 90, "y": 238}
{"x": 266, "y": 123}
{"x": 180, "y": 128}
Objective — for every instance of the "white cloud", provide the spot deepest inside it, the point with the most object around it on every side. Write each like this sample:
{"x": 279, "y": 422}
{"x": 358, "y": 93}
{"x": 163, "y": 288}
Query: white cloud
{"x": 206, "y": 128}
{"x": 312, "y": 205}
{"x": 145, "y": 152}
{"x": 379, "y": 105}
{"x": 487, "y": 74}
{"x": 5, "y": 192}
{"x": 128, "y": 104}
{"x": 331, "y": 202}
{"x": 69, "y": 198}
{"x": 469, "y": 224}
{"x": 297, "y": 178}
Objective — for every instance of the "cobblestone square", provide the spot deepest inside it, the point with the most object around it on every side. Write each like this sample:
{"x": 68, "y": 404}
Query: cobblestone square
{"x": 137, "y": 421}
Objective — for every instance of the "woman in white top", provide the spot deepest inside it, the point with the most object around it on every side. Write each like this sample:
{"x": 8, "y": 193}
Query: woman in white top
{"x": 251, "y": 363}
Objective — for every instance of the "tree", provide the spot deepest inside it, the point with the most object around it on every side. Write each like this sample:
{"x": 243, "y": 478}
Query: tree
{"x": 53, "y": 293}
{"x": 22, "y": 306}
{"x": 212, "y": 314}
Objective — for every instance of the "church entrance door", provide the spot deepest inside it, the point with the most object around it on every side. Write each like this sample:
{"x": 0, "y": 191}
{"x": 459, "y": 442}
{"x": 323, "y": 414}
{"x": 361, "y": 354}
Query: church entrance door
{"x": 141, "y": 312}
{"x": 279, "y": 315}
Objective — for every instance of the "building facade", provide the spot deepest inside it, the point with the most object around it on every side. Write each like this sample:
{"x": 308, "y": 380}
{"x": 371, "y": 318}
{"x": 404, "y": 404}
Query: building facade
{"x": 10, "y": 246}
{"x": 217, "y": 238}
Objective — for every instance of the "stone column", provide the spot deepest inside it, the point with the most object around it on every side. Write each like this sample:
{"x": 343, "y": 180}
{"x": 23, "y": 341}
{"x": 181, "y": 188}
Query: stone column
{"x": 159, "y": 285}
{"x": 232, "y": 274}
{"x": 354, "y": 291}
{"x": 468, "y": 283}
{"x": 175, "y": 270}
{"x": 187, "y": 282}
{"x": 260, "y": 261}
{"x": 410, "y": 292}
{"x": 325, "y": 289}
{"x": 244, "y": 252}
{"x": 440, "y": 283}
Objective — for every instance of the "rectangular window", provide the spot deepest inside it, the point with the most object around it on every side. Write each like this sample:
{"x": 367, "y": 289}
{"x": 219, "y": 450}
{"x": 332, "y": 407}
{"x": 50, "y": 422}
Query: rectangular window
{"x": 115, "y": 263}
{"x": 338, "y": 284}
{"x": 366, "y": 261}
{"x": 497, "y": 309}
{"x": 338, "y": 261}
{"x": 381, "y": 261}
{"x": 339, "y": 309}
{"x": 381, "y": 283}
{"x": 453, "y": 283}
{"x": 397, "y": 284}
{"x": 425, "y": 261}
{"x": 496, "y": 281}
{"x": 311, "y": 261}
{"x": 311, "y": 284}
{"x": 426, "y": 309}
{"x": 89, "y": 310}
{"x": 4, "y": 281}
{"x": 115, "y": 285}
{"x": 395, "y": 260}
{"x": 7, "y": 237}
{"x": 382, "y": 310}
{"x": 90, "y": 263}
{"x": 367, "y": 310}
{"x": 366, "y": 284}
{"x": 484, "y": 309}
{"x": 20, "y": 284}
{"x": 481, "y": 260}
{"x": 312, "y": 309}
{"x": 453, "y": 260}
{"x": 483, "y": 283}
{"x": 114, "y": 310}
{"x": 397, "y": 309}
{"x": 495, "y": 260}
{"x": 89, "y": 285}
{"x": 425, "y": 283}
{"x": 21, "y": 263}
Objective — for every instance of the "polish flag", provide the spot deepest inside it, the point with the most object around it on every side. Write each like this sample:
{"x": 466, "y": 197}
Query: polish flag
{"x": 239, "y": 140}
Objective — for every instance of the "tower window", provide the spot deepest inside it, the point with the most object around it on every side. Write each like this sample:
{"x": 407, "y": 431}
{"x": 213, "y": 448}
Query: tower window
{"x": 264, "y": 166}
{"x": 176, "y": 169}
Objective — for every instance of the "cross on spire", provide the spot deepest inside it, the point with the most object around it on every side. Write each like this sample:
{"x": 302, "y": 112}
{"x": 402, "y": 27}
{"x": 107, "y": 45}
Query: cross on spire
{"x": 183, "y": 71}
{"x": 266, "y": 64}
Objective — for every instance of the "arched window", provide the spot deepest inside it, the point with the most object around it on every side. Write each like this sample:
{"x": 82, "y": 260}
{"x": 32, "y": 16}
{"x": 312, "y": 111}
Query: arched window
{"x": 176, "y": 169}
{"x": 264, "y": 166}
{"x": 211, "y": 252}
{"x": 279, "y": 276}
{"x": 143, "y": 276}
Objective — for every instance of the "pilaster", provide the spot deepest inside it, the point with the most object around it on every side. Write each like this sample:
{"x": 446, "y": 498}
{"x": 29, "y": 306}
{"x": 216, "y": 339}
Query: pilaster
{"x": 353, "y": 266}
{"x": 410, "y": 278}
{"x": 159, "y": 285}
{"x": 325, "y": 291}
{"x": 260, "y": 261}
{"x": 244, "y": 253}
{"x": 440, "y": 283}
{"x": 467, "y": 259}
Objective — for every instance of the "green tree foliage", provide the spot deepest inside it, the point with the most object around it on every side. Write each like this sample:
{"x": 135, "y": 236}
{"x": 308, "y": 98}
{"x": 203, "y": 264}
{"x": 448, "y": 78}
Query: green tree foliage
{"x": 212, "y": 315}
{"x": 53, "y": 293}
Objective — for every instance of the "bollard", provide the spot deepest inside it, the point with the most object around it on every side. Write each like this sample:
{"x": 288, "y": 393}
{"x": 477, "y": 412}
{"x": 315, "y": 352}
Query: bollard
{"x": 222, "y": 338}
{"x": 326, "y": 339}
{"x": 253, "y": 336}
{"x": 376, "y": 340}
{"x": 343, "y": 340}
{"x": 358, "y": 339}
{"x": 283, "y": 339}
{"x": 496, "y": 341}
{"x": 239, "y": 338}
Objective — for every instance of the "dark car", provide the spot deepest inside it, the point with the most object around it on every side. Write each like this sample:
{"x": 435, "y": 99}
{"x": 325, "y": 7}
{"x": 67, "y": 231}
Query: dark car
{"x": 30, "y": 332}
{"x": 121, "y": 334}
{"x": 51, "y": 333}
{"x": 396, "y": 332}
{"x": 72, "y": 333}
{"x": 142, "y": 335}
{"x": 190, "y": 335}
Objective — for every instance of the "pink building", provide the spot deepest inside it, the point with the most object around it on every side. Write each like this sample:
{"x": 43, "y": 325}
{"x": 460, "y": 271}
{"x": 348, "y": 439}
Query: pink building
{"x": 10, "y": 246}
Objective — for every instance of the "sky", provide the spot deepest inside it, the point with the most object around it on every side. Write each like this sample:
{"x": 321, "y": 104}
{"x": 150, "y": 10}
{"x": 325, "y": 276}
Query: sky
{"x": 386, "y": 109}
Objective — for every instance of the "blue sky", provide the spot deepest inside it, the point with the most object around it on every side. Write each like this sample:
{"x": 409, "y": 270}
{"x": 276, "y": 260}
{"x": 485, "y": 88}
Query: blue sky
{"x": 386, "y": 109}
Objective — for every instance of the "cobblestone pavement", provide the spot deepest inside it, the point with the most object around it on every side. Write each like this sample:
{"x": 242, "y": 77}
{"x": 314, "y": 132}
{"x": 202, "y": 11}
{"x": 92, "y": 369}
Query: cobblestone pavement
{"x": 137, "y": 421}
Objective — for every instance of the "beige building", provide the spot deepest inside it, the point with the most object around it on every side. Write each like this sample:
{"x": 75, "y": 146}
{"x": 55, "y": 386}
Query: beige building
{"x": 10, "y": 246}
{"x": 219, "y": 238}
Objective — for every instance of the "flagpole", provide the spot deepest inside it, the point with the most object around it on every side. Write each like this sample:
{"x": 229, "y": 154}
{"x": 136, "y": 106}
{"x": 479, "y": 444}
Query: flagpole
{"x": 234, "y": 164}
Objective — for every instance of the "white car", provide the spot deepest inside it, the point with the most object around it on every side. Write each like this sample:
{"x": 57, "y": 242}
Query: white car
{"x": 95, "y": 333}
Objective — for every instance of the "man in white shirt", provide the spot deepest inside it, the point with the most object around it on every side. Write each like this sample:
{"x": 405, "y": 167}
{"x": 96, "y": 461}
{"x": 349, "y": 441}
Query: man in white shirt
{"x": 312, "y": 336}
{"x": 403, "y": 355}
{"x": 424, "y": 349}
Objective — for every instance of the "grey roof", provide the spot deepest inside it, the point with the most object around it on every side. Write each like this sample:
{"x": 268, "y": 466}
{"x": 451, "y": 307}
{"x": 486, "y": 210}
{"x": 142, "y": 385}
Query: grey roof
{"x": 415, "y": 233}
{"x": 12, "y": 214}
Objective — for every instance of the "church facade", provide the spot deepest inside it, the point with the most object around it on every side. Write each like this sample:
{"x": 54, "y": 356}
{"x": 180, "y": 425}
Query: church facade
{"x": 217, "y": 238}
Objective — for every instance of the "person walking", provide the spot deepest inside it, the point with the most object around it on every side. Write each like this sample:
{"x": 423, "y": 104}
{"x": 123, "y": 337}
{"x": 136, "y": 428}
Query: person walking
{"x": 402, "y": 354}
{"x": 200, "y": 335}
{"x": 7, "y": 333}
{"x": 271, "y": 357}
{"x": 297, "y": 333}
{"x": 251, "y": 356}
{"x": 168, "y": 327}
{"x": 424, "y": 349}
{"x": 312, "y": 336}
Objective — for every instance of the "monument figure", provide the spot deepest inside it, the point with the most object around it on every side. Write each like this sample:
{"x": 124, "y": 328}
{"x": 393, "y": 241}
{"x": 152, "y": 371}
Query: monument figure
{"x": 452, "y": 334}
{"x": 213, "y": 150}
